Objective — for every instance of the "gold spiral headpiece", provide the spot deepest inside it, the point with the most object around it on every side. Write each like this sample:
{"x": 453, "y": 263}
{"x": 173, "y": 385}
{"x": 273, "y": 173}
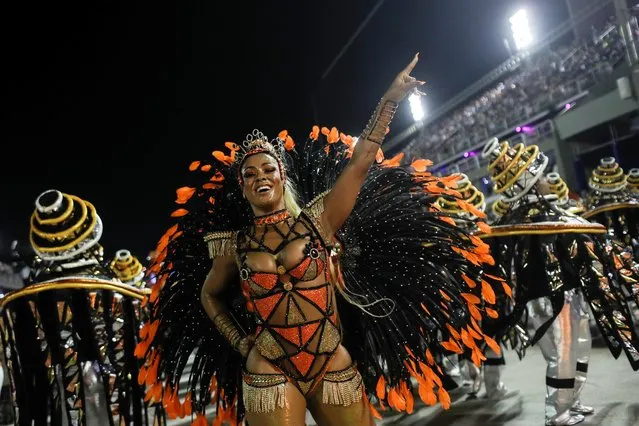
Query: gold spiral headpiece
{"x": 500, "y": 207}
{"x": 514, "y": 170}
{"x": 469, "y": 193}
{"x": 257, "y": 143}
{"x": 558, "y": 186}
{"x": 633, "y": 181}
{"x": 608, "y": 176}
{"x": 63, "y": 226}
{"x": 127, "y": 268}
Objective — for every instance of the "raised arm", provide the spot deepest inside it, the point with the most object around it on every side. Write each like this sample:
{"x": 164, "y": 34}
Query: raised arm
{"x": 222, "y": 271}
{"x": 339, "y": 202}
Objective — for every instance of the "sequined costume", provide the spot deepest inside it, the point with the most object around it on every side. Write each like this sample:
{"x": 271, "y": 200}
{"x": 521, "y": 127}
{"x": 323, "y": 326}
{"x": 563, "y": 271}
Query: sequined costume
{"x": 619, "y": 243}
{"x": 558, "y": 263}
{"x": 492, "y": 366}
{"x": 297, "y": 295}
{"x": 398, "y": 284}
{"x": 612, "y": 203}
{"x": 69, "y": 336}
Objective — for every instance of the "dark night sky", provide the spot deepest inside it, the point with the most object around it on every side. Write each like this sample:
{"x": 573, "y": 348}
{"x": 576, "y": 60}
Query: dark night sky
{"x": 111, "y": 100}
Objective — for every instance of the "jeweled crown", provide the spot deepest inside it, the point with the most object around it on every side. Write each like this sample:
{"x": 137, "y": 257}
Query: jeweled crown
{"x": 256, "y": 142}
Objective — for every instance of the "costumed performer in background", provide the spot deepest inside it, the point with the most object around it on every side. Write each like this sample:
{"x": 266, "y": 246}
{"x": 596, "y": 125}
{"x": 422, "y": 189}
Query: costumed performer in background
{"x": 555, "y": 260}
{"x": 128, "y": 269}
{"x": 69, "y": 336}
{"x": 610, "y": 203}
{"x": 492, "y": 366}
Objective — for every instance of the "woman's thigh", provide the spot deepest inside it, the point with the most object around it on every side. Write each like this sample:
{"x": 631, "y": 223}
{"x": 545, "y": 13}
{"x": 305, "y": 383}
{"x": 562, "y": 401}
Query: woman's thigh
{"x": 269, "y": 398}
{"x": 339, "y": 398}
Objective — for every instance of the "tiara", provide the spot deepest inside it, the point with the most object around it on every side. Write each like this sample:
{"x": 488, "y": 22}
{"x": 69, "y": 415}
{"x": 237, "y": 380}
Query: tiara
{"x": 256, "y": 142}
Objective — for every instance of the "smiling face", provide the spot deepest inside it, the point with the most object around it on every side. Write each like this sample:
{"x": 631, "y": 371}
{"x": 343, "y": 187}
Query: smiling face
{"x": 263, "y": 185}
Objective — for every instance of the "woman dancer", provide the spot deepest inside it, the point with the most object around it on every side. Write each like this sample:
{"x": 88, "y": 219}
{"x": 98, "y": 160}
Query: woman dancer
{"x": 363, "y": 288}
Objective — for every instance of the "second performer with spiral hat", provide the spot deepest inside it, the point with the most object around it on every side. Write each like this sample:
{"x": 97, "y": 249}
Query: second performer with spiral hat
{"x": 491, "y": 369}
{"x": 612, "y": 203}
{"x": 559, "y": 263}
{"x": 69, "y": 337}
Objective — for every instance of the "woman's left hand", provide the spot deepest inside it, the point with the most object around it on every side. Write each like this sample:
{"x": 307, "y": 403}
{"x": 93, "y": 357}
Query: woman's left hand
{"x": 404, "y": 83}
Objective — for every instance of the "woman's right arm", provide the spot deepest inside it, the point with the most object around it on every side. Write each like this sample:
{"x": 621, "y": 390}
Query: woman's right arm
{"x": 223, "y": 270}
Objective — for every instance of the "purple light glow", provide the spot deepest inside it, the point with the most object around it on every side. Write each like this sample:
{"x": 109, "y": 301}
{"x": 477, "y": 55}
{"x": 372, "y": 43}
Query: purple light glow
{"x": 466, "y": 154}
{"x": 518, "y": 129}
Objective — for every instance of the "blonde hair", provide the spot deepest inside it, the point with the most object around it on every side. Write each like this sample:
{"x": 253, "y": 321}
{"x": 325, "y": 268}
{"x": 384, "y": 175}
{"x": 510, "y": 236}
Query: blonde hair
{"x": 291, "y": 198}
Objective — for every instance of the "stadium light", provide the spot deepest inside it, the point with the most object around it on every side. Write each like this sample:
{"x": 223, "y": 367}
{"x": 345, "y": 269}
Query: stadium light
{"x": 520, "y": 27}
{"x": 416, "y": 107}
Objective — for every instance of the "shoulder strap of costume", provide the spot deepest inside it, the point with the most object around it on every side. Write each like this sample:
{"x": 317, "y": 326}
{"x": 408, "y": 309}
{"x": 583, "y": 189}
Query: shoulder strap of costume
{"x": 313, "y": 211}
{"x": 221, "y": 243}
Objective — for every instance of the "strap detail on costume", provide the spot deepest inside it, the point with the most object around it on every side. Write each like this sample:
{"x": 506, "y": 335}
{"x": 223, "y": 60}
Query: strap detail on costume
{"x": 342, "y": 387}
{"x": 221, "y": 243}
{"x": 264, "y": 393}
{"x": 315, "y": 208}
{"x": 313, "y": 211}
